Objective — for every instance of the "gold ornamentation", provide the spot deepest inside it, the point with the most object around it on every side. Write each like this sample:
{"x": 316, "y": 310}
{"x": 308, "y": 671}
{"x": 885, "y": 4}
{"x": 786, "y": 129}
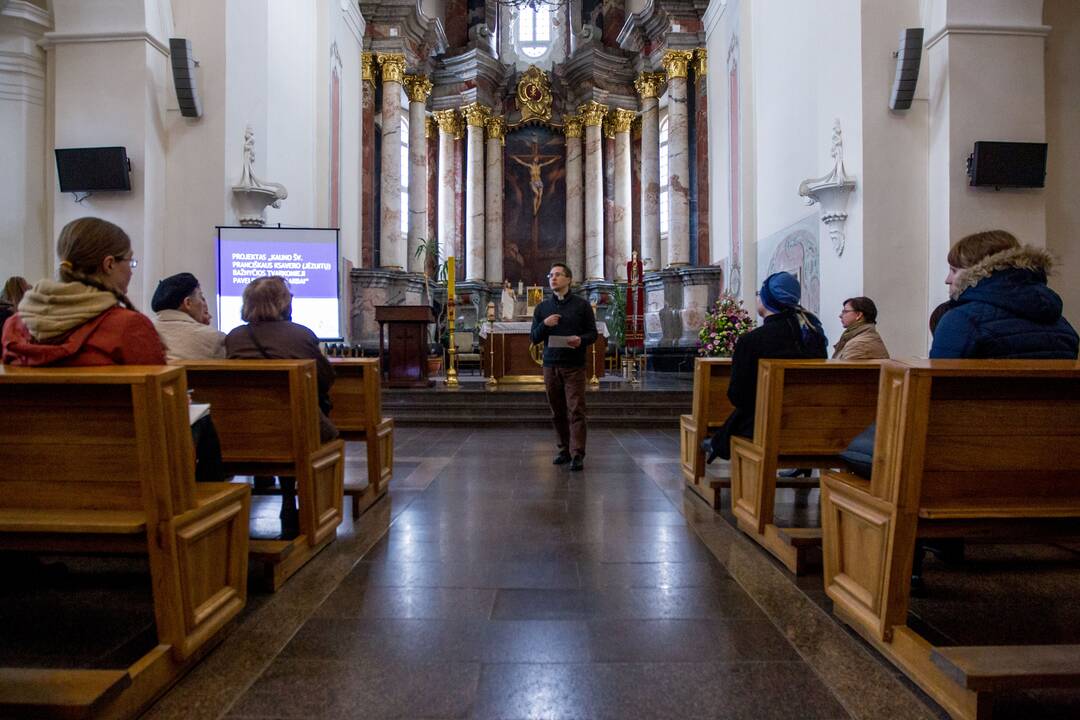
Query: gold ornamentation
{"x": 417, "y": 87}
{"x": 677, "y": 63}
{"x": 534, "y": 95}
{"x": 449, "y": 121}
{"x": 496, "y": 128}
{"x": 572, "y": 125}
{"x": 367, "y": 67}
{"x": 593, "y": 113}
{"x": 475, "y": 114}
{"x": 607, "y": 129}
{"x": 431, "y": 127}
{"x": 701, "y": 65}
{"x": 621, "y": 119}
{"x": 650, "y": 84}
{"x": 393, "y": 66}
{"x": 635, "y": 128}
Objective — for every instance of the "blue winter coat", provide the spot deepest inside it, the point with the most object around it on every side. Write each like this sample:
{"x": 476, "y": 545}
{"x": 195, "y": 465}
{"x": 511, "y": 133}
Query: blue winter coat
{"x": 1005, "y": 310}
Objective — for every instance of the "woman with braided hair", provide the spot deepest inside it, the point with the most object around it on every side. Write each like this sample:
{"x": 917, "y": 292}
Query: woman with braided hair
{"x": 84, "y": 318}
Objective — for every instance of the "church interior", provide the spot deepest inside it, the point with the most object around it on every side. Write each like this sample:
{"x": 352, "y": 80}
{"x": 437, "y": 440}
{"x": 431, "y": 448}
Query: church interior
{"x": 418, "y": 170}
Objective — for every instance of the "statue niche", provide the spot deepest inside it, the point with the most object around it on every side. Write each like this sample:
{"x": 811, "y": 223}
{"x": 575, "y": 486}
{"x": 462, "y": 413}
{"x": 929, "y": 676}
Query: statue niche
{"x": 534, "y": 209}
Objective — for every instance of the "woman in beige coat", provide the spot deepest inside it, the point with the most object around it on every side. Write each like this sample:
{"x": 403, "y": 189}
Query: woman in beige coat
{"x": 860, "y": 340}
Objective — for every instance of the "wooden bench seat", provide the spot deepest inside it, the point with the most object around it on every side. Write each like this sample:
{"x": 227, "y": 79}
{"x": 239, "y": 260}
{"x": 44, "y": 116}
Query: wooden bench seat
{"x": 267, "y": 416}
{"x": 953, "y": 453}
{"x": 357, "y": 412}
{"x": 807, "y": 412}
{"x": 100, "y": 460}
{"x": 709, "y": 409}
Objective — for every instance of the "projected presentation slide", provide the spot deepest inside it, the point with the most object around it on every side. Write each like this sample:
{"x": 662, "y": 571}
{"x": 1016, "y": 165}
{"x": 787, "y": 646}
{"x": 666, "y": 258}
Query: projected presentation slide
{"x": 306, "y": 257}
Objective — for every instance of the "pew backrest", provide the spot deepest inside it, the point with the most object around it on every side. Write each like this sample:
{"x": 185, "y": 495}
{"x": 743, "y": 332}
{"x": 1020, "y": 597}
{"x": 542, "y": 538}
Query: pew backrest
{"x": 711, "y": 406}
{"x": 356, "y": 397}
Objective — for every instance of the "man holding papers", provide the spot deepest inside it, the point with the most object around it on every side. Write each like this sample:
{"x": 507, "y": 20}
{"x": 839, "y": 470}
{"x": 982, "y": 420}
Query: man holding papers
{"x": 566, "y": 325}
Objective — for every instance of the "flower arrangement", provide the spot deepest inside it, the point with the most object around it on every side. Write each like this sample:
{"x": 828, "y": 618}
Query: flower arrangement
{"x": 724, "y": 325}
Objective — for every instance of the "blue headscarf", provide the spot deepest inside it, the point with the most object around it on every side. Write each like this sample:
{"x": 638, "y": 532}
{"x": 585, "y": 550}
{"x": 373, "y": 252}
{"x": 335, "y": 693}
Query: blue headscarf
{"x": 781, "y": 291}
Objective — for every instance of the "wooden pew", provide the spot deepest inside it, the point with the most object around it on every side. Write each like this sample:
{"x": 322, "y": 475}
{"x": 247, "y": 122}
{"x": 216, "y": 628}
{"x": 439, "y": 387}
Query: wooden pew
{"x": 987, "y": 449}
{"x": 267, "y": 415}
{"x": 357, "y": 413}
{"x": 710, "y": 408}
{"x": 101, "y": 460}
{"x": 807, "y": 411}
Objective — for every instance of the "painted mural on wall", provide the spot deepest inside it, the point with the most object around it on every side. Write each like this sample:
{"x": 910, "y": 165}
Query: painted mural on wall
{"x": 796, "y": 250}
{"x": 534, "y": 205}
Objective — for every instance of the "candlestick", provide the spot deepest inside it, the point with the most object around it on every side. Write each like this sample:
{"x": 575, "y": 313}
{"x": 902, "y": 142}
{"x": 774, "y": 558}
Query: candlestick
{"x": 451, "y": 362}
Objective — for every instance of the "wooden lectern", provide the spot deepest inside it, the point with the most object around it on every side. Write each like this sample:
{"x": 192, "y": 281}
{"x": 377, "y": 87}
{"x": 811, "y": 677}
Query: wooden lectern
{"x": 406, "y": 363}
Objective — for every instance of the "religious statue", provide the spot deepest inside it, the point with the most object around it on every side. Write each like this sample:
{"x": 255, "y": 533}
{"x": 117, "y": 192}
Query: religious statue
{"x": 508, "y": 302}
{"x": 635, "y": 304}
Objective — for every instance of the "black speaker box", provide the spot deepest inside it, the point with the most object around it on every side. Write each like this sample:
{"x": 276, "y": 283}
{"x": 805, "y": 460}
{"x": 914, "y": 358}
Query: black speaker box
{"x": 908, "y": 60}
{"x": 183, "y": 70}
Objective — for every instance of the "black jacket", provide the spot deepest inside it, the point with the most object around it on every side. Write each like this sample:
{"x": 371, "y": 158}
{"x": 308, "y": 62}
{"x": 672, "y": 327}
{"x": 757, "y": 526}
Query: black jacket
{"x": 576, "y": 318}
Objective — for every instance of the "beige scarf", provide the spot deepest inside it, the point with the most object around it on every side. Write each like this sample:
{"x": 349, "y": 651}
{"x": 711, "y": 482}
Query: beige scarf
{"x": 857, "y": 329}
{"x": 51, "y": 308}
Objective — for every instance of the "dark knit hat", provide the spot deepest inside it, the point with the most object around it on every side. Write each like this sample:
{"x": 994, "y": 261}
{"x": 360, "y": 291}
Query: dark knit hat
{"x": 780, "y": 290}
{"x": 172, "y": 290}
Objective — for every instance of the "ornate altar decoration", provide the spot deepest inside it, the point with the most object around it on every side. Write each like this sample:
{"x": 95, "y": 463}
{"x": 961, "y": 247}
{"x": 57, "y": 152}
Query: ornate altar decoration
{"x": 832, "y": 192}
{"x": 534, "y": 95}
{"x": 635, "y": 304}
{"x": 251, "y": 194}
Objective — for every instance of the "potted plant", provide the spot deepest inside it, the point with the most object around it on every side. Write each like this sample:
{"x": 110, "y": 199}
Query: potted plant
{"x": 434, "y": 271}
{"x": 724, "y": 325}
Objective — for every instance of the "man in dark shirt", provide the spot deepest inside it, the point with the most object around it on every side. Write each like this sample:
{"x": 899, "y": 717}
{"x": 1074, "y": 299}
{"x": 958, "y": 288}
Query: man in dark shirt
{"x": 566, "y": 325}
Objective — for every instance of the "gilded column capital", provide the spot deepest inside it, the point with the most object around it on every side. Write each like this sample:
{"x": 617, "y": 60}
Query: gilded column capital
{"x": 572, "y": 125}
{"x": 417, "y": 87}
{"x": 496, "y": 128}
{"x": 621, "y": 119}
{"x": 677, "y": 63}
{"x": 393, "y": 66}
{"x": 606, "y": 128}
{"x": 367, "y": 67}
{"x": 449, "y": 121}
{"x": 475, "y": 114}
{"x": 701, "y": 62}
{"x": 431, "y": 127}
{"x": 650, "y": 84}
{"x": 593, "y": 113}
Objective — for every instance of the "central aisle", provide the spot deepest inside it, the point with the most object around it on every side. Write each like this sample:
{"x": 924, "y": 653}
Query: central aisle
{"x": 506, "y": 587}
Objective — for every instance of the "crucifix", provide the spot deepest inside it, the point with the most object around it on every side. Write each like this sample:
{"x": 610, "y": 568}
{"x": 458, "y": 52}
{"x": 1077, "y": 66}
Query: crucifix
{"x": 536, "y": 184}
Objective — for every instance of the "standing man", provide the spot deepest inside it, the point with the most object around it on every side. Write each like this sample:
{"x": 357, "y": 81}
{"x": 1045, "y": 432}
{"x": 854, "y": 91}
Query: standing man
{"x": 566, "y": 325}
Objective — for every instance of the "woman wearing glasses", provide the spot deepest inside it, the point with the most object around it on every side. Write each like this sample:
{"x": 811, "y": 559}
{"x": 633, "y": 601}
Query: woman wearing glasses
{"x": 860, "y": 340}
{"x": 85, "y": 318}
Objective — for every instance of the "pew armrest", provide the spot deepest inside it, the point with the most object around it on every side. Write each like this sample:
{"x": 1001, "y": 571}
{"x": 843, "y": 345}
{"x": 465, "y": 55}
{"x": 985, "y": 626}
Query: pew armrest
{"x": 1010, "y": 667}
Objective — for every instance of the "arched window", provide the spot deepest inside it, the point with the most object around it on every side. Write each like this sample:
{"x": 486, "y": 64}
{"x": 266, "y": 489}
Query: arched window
{"x": 405, "y": 173}
{"x": 664, "y": 177}
{"x": 534, "y": 31}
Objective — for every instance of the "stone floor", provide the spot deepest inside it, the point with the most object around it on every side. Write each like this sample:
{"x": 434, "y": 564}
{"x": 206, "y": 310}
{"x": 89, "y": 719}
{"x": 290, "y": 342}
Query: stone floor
{"x": 490, "y": 583}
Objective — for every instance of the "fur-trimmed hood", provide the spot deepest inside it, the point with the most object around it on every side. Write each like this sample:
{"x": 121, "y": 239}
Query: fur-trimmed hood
{"x": 1012, "y": 280}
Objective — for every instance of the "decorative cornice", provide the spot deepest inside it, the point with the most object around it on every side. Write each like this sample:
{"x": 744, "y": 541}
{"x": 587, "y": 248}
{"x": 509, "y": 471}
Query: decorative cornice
{"x": 367, "y": 67}
{"x": 22, "y": 77}
{"x": 593, "y": 113}
{"x": 650, "y": 84}
{"x": 27, "y": 12}
{"x": 621, "y": 119}
{"x": 572, "y": 125}
{"x": 475, "y": 114}
{"x": 496, "y": 128}
{"x": 449, "y": 121}
{"x": 417, "y": 87}
{"x": 701, "y": 62}
{"x": 52, "y": 39}
{"x": 971, "y": 29}
{"x": 350, "y": 10}
{"x": 392, "y": 65}
{"x": 677, "y": 63}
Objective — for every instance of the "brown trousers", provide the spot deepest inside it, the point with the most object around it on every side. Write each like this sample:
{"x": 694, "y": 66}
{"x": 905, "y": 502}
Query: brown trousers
{"x": 566, "y": 395}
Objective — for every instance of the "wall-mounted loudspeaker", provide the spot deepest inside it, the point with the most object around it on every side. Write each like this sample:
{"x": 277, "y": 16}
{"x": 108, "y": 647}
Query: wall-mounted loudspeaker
{"x": 183, "y": 71}
{"x": 908, "y": 59}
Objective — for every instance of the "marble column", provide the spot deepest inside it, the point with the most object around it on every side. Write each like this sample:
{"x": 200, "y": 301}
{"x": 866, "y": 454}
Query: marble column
{"x": 448, "y": 127}
{"x": 621, "y": 225}
{"x": 607, "y": 155}
{"x": 417, "y": 87}
{"x": 649, "y": 85}
{"x": 593, "y": 117}
{"x": 367, "y": 162}
{"x": 476, "y": 116}
{"x": 575, "y": 218}
{"x": 391, "y": 245}
{"x": 493, "y": 206}
{"x": 431, "y": 182}
{"x": 676, "y": 63}
{"x": 701, "y": 156}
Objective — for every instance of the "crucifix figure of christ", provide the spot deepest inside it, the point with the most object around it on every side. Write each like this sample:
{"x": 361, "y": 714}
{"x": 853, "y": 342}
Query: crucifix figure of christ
{"x": 536, "y": 183}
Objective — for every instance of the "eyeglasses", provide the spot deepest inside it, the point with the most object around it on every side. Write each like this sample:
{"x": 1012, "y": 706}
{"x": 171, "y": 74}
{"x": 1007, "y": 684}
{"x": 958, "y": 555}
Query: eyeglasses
{"x": 131, "y": 260}
{"x": 555, "y": 274}
{"x": 845, "y": 311}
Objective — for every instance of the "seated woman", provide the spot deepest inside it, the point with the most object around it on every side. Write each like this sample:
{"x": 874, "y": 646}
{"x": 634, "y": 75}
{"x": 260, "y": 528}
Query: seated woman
{"x": 1001, "y": 305}
{"x": 271, "y": 334}
{"x": 860, "y": 340}
{"x": 14, "y": 289}
{"x": 787, "y": 331}
{"x": 85, "y": 318}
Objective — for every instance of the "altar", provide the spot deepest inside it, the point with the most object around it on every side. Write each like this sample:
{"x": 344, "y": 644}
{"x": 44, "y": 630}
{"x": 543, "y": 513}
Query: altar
{"x": 507, "y": 351}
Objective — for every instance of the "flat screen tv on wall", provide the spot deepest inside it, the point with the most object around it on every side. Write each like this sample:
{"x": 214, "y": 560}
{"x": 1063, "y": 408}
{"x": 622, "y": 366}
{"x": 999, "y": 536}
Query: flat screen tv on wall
{"x": 98, "y": 169}
{"x": 1007, "y": 164}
